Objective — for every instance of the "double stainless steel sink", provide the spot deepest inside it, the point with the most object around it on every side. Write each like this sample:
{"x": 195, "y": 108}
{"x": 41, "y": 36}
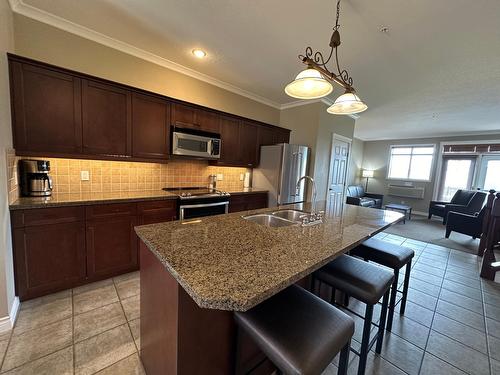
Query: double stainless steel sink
{"x": 282, "y": 218}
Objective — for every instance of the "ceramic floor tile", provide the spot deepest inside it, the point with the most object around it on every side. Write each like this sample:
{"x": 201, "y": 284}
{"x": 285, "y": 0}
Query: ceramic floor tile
{"x": 128, "y": 366}
{"x": 462, "y": 315}
{"x": 435, "y": 366}
{"x": 493, "y": 327}
{"x": 422, "y": 299}
{"x": 464, "y": 280}
{"x": 135, "y": 328}
{"x": 462, "y": 289}
{"x": 131, "y": 306}
{"x": 439, "y": 263}
{"x": 98, "y": 320}
{"x": 103, "y": 350}
{"x": 410, "y": 330}
{"x": 429, "y": 269}
{"x": 430, "y": 289}
{"x": 492, "y": 299}
{"x": 495, "y": 367}
{"x": 3, "y": 348}
{"x": 494, "y": 347}
{"x": 375, "y": 365}
{"x": 491, "y": 287}
{"x": 492, "y": 312}
{"x": 461, "y": 300}
{"x": 463, "y": 357}
{"x": 419, "y": 314}
{"x": 45, "y": 299}
{"x": 92, "y": 296}
{"x": 127, "y": 285}
{"x": 473, "y": 274}
{"x": 401, "y": 353}
{"x": 37, "y": 343}
{"x": 425, "y": 277}
{"x": 460, "y": 332}
{"x": 43, "y": 311}
{"x": 60, "y": 363}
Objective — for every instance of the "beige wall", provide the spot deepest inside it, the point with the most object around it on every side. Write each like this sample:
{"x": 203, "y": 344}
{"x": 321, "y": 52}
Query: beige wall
{"x": 376, "y": 157}
{"x": 312, "y": 126}
{"x": 6, "y": 267}
{"x": 356, "y": 162}
{"x": 46, "y": 43}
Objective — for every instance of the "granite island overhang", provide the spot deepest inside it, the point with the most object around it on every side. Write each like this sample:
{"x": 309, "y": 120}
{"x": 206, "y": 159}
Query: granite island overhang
{"x": 195, "y": 273}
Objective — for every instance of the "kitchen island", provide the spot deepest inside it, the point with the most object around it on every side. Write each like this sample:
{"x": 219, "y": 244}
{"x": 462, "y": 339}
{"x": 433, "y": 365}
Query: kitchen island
{"x": 195, "y": 274}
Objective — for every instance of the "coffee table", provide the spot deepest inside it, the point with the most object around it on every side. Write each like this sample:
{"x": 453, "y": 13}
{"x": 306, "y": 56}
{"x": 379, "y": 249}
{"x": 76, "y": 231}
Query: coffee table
{"x": 406, "y": 210}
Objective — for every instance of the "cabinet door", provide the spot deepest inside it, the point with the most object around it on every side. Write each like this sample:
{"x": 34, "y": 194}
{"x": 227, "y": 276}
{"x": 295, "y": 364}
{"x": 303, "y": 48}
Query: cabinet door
{"x": 248, "y": 143}
{"x": 267, "y": 136}
{"x": 230, "y": 137}
{"x": 107, "y": 127}
{"x": 111, "y": 246}
{"x": 256, "y": 201}
{"x": 150, "y": 127}
{"x": 48, "y": 258}
{"x": 282, "y": 136}
{"x": 157, "y": 211}
{"x": 208, "y": 121}
{"x": 237, "y": 203}
{"x": 46, "y": 110}
{"x": 184, "y": 116}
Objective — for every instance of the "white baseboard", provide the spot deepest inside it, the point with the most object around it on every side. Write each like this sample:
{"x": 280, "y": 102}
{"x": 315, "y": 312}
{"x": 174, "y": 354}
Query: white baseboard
{"x": 7, "y": 322}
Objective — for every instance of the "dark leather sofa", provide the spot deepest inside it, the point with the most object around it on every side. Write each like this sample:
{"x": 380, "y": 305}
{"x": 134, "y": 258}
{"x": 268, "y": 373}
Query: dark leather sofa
{"x": 357, "y": 196}
{"x": 464, "y": 201}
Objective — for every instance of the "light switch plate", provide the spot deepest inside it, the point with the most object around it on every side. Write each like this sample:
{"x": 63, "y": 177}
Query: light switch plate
{"x": 220, "y": 176}
{"x": 84, "y": 175}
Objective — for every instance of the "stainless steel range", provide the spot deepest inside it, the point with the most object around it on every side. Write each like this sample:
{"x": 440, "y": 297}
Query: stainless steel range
{"x": 199, "y": 201}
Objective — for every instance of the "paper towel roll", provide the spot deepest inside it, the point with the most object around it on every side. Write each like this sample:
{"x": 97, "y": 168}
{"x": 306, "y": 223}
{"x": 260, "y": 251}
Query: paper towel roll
{"x": 246, "y": 182}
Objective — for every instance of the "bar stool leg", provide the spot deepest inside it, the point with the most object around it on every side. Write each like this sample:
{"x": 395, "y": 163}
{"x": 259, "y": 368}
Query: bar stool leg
{"x": 365, "y": 340}
{"x": 405, "y": 288}
{"x": 392, "y": 303}
{"x": 381, "y": 326}
{"x": 344, "y": 359}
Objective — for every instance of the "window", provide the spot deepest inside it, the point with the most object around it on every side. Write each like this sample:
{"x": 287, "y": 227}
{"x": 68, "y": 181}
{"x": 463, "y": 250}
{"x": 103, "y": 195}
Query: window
{"x": 411, "y": 162}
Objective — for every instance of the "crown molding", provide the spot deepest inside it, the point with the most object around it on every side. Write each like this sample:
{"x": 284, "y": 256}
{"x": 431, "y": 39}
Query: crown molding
{"x": 18, "y": 6}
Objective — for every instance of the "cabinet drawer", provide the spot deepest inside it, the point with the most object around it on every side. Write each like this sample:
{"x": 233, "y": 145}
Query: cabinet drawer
{"x": 44, "y": 216}
{"x": 111, "y": 210}
{"x": 146, "y": 207}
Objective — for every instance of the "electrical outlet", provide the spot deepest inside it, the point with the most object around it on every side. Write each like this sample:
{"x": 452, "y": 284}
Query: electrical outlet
{"x": 84, "y": 175}
{"x": 242, "y": 176}
{"x": 220, "y": 176}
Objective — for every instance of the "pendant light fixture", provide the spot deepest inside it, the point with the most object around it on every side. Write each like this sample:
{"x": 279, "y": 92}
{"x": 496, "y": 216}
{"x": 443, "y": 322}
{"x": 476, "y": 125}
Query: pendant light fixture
{"x": 315, "y": 81}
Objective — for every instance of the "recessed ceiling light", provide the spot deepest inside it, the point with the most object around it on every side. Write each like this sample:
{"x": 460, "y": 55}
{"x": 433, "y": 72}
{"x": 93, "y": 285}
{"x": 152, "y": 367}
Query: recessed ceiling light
{"x": 199, "y": 53}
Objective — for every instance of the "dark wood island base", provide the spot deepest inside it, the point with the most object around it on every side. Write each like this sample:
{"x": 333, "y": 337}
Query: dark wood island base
{"x": 178, "y": 337}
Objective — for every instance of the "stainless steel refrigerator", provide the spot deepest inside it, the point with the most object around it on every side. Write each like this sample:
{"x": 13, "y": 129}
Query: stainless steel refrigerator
{"x": 280, "y": 168}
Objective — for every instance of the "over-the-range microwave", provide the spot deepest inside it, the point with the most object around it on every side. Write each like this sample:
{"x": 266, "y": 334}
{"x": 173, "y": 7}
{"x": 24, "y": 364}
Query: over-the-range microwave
{"x": 195, "y": 143}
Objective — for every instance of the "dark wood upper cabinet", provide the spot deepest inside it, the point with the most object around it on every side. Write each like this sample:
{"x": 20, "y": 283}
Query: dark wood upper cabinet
{"x": 107, "y": 115}
{"x": 267, "y": 136}
{"x": 230, "y": 135}
{"x": 186, "y": 116}
{"x": 249, "y": 143}
{"x": 46, "y": 110}
{"x": 282, "y": 135}
{"x": 150, "y": 127}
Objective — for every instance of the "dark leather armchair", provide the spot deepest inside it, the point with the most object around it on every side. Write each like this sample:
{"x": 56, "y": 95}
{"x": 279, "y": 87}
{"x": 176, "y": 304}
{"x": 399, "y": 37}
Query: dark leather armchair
{"x": 357, "y": 196}
{"x": 471, "y": 225}
{"x": 464, "y": 201}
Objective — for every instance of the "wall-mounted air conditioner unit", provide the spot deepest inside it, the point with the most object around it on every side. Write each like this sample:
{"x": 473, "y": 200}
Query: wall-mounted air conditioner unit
{"x": 406, "y": 191}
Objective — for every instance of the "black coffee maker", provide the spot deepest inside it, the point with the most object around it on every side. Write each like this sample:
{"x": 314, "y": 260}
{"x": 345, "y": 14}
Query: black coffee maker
{"x": 34, "y": 178}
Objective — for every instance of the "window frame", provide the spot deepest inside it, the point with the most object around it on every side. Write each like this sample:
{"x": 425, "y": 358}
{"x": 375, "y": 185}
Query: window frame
{"x": 412, "y": 146}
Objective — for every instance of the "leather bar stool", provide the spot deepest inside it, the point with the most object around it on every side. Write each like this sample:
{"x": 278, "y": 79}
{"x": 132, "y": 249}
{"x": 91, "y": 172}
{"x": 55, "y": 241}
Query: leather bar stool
{"x": 392, "y": 256}
{"x": 299, "y": 332}
{"x": 367, "y": 283}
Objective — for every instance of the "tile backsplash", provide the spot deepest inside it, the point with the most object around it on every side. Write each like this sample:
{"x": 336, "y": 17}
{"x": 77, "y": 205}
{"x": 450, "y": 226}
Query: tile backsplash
{"x": 122, "y": 176}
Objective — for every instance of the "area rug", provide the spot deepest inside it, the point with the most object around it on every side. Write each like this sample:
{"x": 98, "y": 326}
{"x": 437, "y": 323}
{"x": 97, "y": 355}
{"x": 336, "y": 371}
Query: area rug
{"x": 433, "y": 231}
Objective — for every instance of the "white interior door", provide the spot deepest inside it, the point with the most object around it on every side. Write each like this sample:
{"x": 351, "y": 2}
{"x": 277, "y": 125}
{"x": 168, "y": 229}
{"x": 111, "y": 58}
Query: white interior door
{"x": 489, "y": 173}
{"x": 339, "y": 159}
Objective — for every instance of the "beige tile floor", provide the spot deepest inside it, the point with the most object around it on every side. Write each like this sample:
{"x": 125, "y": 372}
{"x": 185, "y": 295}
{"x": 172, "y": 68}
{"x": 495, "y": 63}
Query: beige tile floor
{"x": 93, "y": 329}
{"x": 451, "y": 325}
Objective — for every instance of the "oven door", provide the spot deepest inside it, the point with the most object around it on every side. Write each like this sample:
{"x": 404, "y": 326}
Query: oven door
{"x": 192, "y": 211}
{"x": 195, "y": 145}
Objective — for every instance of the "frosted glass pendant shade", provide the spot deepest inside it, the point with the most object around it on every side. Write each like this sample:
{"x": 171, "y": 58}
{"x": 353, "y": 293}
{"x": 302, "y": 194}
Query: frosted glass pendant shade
{"x": 309, "y": 84}
{"x": 347, "y": 104}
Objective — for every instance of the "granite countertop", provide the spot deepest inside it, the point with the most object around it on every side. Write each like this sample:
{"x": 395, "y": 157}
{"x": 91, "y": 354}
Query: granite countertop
{"x": 225, "y": 262}
{"x": 79, "y": 199}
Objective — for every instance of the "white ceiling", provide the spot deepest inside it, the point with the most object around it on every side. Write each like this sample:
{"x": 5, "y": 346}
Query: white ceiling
{"x": 436, "y": 72}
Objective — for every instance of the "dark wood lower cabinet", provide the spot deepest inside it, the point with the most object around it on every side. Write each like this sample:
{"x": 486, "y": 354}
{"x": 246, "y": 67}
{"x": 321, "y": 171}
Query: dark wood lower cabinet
{"x": 245, "y": 202}
{"x": 63, "y": 247}
{"x": 111, "y": 246}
